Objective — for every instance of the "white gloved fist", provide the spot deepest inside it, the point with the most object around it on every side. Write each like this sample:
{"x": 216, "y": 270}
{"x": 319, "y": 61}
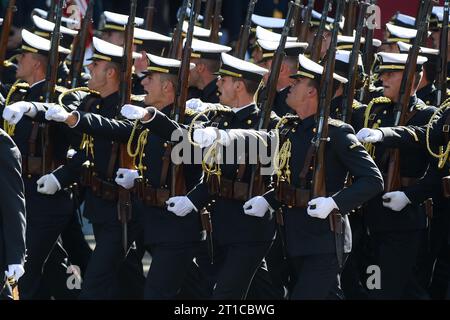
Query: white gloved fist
{"x": 56, "y": 113}
{"x": 321, "y": 207}
{"x": 48, "y": 184}
{"x": 256, "y": 206}
{"x": 15, "y": 270}
{"x": 133, "y": 112}
{"x": 196, "y": 105}
{"x": 205, "y": 137}
{"x": 15, "y": 111}
{"x": 125, "y": 177}
{"x": 396, "y": 200}
{"x": 181, "y": 205}
{"x": 367, "y": 135}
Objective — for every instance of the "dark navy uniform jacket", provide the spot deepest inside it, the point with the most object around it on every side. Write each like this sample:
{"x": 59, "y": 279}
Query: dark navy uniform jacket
{"x": 280, "y": 107}
{"x": 12, "y": 205}
{"x": 413, "y": 164}
{"x": 208, "y": 94}
{"x": 161, "y": 226}
{"x": 306, "y": 235}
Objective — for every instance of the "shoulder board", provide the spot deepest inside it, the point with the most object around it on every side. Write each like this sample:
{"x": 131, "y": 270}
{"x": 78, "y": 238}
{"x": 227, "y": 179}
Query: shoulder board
{"x": 137, "y": 98}
{"x": 22, "y": 85}
{"x": 287, "y": 119}
{"x": 356, "y": 104}
{"x": 190, "y": 112}
{"x": 380, "y": 100}
{"x": 336, "y": 123}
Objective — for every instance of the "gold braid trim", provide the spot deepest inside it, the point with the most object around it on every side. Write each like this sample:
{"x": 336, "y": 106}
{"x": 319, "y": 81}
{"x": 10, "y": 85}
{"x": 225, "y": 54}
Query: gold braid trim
{"x": 69, "y": 91}
{"x": 443, "y": 155}
{"x": 142, "y": 141}
{"x": 10, "y": 128}
{"x": 369, "y": 146}
{"x": 283, "y": 154}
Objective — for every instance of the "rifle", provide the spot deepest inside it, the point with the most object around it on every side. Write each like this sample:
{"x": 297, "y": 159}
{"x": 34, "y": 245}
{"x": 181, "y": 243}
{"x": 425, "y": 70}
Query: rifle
{"x": 302, "y": 28}
{"x": 442, "y": 79}
{"x": 349, "y": 88}
{"x": 321, "y": 137}
{"x": 350, "y": 14}
{"x": 5, "y": 34}
{"x": 401, "y": 105}
{"x": 126, "y": 161}
{"x": 368, "y": 58}
{"x": 298, "y": 11}
{"x": 244, "y": 33}
{"x": 217, "y": 20}
{"x": 80, "y": 47}
{"x": 149, "y": 12}
{"x": 318, "y": 39}
{"x": 269, "y": 94}
{"x": 207, "y": 16}
{"x": 176, "y": 38}
{"x": 52, "y": 12}
{"x": 50, "y": 83}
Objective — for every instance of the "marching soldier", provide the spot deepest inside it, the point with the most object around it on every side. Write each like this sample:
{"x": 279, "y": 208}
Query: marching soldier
{"x": 310, "y": 243}
{"x": 172, "y": 238}
{"x": 396, "y": 227}
{"x": 47, "y": 216}
{"x": 12, "y": 212}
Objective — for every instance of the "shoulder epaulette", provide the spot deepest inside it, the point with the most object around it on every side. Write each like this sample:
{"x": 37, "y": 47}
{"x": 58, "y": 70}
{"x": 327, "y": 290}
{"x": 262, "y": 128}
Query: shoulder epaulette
{"x": 22, "y": 85}
{"x": 288, "y": 118}
{"x": 380, "y": 100}
{"x": 138, "y": 97}
{"x": 336, "y": 122}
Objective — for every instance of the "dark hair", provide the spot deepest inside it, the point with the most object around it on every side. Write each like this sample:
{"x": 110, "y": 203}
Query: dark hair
{"x": 251, "y": 86}
{"x": 211, "y": 65}
{"x": 169, "y": 77}
{"x": 315, "y": 83}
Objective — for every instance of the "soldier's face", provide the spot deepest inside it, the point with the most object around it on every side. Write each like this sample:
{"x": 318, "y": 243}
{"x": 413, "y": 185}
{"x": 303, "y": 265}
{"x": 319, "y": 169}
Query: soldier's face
{"x": 153, "y": 87}
{"x": 299, "y": 93}
{"x": 227, "y": 91}
{"x": 391, "y": 84}
{"x": 26, "y": 65}
{"x": 97, "y": 69}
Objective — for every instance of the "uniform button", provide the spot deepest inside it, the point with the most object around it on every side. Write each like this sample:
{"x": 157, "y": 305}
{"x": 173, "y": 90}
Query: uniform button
{"x": 59, "y": 80}
{"x": 293, "y": 130}
{"x": 97, "y": 107}
{"x": 143, "y": 154}
{"x": 29, "y": 176}
{"x": 314, "y": 130}
{"x": 225, "y": 124}
{"x": 145, "y": 168}
{"x": 69, "y": 82}
{"x": 165, "y": 145}
{"x": 379, "y": 121}
{"x": 249, "y": 121}
{"x": 310, "y": 168}
{"x": 428, "y": 102}
{"x": 41, "y": 98}
{"x": 384, "y": 112}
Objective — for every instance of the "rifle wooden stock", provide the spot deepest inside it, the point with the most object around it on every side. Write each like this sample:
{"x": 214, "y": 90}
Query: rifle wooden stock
{"x": 316, "y": 47}
{"x": 149, "y": 13}
{"x": 52, "y": 12}
{"x": 442, "y": 78}
{"x": 179, "y": 107}
{"x": 50, "y": 84}
{"x": 244, "y": 34}
{"x": 207, "y": 15}
{"x": 350, "y": 15}
{"x": 7, "y": 21}
{"x": 296, "y": 20}
{"x": 349, "y": 87}
{"x": 302, "y": 33}
{"x": 393, "y": 181}
{"x": 80, "y": 47}
{"x": 268, "y": 99}
{"x": 175, "y": 45}
{"x": 217, "y": 20}
{"x": 326, "y": 87}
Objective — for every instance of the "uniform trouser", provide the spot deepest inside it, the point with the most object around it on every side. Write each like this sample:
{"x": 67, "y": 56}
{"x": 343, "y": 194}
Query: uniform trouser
{"x": 170, "y": 265}
{"x": 41, "y": 235}
{"x": 396, "y": 254}
{"x": 271, "y": 282}
{"x": 237, "y": 270}
{"x": 316, "y": 277}
{"x": 101, "y": 278}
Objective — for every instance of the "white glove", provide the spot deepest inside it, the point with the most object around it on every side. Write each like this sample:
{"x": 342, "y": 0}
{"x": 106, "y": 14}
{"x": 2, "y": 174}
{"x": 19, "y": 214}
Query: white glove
{"x": 125, "y": 177}
{"x": 256, "y": 206}
{"x": 181, "y": 205}
{"x": 15, "y": 270}
{"x": 48, "y": 184}
{"x": 367, "y": 135}
{"x": 71, "y": 153}
{"x": 206, "y": 137}
{"x": 321, "y": 207}
{"x": 395, "y": 200}
{"x": 133, "y": 112}
{"x": 56, "y": 113}
{"x": 14, "y": 112}
{"x": 196, "y": 105}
